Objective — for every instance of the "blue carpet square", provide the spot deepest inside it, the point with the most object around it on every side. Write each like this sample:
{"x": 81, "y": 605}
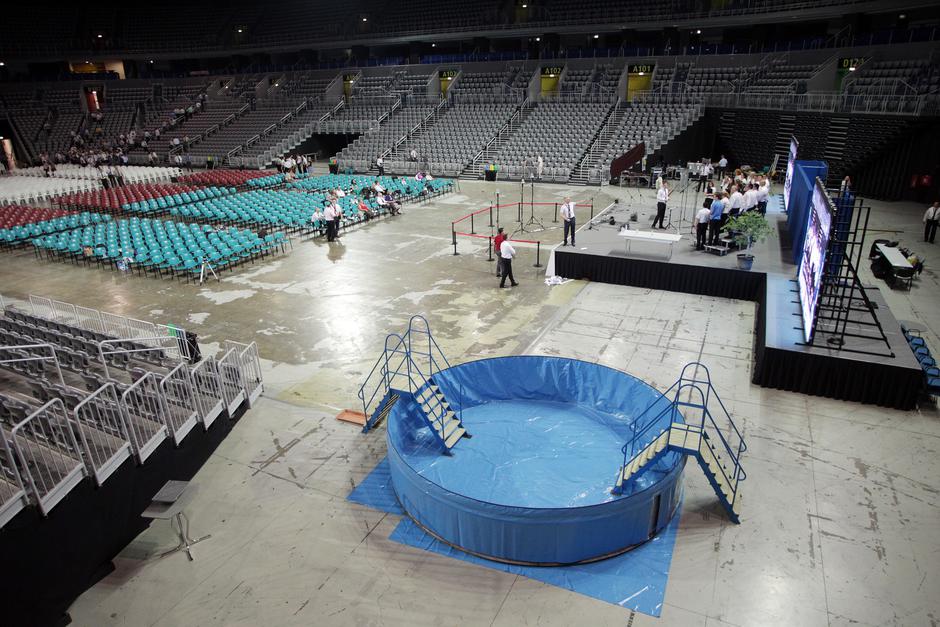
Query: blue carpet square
{"x": 635, "y": 580}
{"x": 376, "y": 491}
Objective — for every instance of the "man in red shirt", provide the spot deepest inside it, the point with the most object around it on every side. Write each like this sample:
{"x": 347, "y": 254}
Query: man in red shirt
{"x": 497, "y": 242}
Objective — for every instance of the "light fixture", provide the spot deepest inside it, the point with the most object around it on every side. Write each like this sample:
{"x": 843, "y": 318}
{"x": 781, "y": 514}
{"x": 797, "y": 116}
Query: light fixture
{"x": 852, "y": 69}
{"x": 100, "y": 36}
{"x": 538, "y": 39}
{"x": 434, "y": 45}
{"x": 902, "y": 16}
{"x": 88, "y": 62}
{"x": 525, "y": 6}
{"x": 151, "y": 60}
{"x": 277, "y": 84}
{"x": 2, "y": 63}
{"x": 365, "y": 19}
{"x": 239, "y": 30}
{"x": 596, "y": 36}
{"x": 698, "y": 31}
{"x": 551, "y": 76}
{"x": 642, "y": 73}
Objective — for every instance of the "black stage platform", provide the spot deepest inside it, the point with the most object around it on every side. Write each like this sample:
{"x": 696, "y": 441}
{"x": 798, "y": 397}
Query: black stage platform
{"x": 49, "y": 562}
{"x": 780, "y": 359}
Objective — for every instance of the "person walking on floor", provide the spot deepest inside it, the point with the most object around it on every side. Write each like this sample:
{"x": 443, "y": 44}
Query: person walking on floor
{"x": 722, "y": 165}
{"x": 497, "y": 243}
{"x": 506, "y": 253}
{"x": 931, "y": 220}
{"x": 329, "y": 216}
{"x": 702, "y": 219}
{"x": 714, "y": 224}
{"x": 662, "y": 196}
{"x": 570, "y": 221}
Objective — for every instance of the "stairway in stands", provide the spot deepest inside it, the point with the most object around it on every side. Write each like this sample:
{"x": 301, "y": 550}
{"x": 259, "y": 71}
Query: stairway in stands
{"x": 683, "y": 420}
{"x": 835, "y": 139}
{"x": 595, "y": 151}
{"x": 784, "y": 132}
{"x": 408, "y": 369}
{"x": 502, "y": 137}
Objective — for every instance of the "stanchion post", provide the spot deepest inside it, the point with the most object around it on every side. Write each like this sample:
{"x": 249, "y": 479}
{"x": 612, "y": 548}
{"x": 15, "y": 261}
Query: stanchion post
{"x": 491, "y": 216}
{"x": 453, "y": 235}
{"x": 519, "y": 210}
{"x": 472, "y": 230}
{"x": 592, "y": 210}
{"x": 555, "y": 217}
{"x": 538, "y": 253}
{"x": 489, "y": 247}
{"x": 497, "y": 215}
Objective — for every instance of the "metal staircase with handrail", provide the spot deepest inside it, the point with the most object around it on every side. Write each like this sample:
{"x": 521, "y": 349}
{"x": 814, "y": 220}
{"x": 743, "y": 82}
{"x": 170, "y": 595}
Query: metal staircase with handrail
{"x": 683, "y": 420}
{"x": 408, "y": 368}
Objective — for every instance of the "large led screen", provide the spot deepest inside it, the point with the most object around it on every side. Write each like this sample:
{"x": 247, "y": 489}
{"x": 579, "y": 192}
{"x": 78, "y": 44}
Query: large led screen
{"x": 791, "y": 158}
{"x": 815, "y": 245}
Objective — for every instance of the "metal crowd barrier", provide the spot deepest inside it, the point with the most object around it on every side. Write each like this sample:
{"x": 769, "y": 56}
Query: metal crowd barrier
{"x": 146, "y": 415}
{"x": 13, "y": 496}
{"x": 250, "y": 366}
{"x": 208, "y": 386}
{"x": 231, "y": 380}
{"x": 103, "y": 432}
{"x": 180, "y": 402}
{"x": 51, "y": 458}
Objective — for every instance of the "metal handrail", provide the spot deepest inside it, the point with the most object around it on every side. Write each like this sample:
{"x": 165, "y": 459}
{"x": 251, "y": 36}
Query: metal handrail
{"x": 690, "y": 384}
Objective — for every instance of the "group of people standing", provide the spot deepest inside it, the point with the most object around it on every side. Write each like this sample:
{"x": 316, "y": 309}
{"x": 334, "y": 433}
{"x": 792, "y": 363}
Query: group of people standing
{"x": 731, "y": 196}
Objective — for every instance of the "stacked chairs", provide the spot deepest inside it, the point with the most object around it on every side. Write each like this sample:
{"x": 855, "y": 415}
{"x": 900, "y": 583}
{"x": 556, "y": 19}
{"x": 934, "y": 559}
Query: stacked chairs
{"x": 130, "y": 173}
{"x": 927, "y": 362}
{"x": 228, "y": 178}
{"x": 139, "y": 197}
{"x": 18, "y": 234}
{"x": 160, "y": 248}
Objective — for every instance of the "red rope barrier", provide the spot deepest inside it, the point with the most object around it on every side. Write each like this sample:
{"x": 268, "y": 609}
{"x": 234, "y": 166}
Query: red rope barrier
{"x": 523, "y": 241}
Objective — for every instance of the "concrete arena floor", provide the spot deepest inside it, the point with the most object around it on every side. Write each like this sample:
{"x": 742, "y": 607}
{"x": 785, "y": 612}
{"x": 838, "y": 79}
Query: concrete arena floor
{"x": 840, "y": 522}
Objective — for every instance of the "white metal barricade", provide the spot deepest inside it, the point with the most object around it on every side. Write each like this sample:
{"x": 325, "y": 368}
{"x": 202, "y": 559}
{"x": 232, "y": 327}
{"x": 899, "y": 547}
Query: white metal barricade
{"x": 250, "y": 366}
{"x": 12, "y": 492}
{"x": 230, "y": 378}
{"x": 41, "y": 307}
{"x": 182, "y": 409}
{"x": 50, "y": 455}
{"x": 103, "y": 432}
{"x": 145, "y": 415}
{"x": 208, "y": 387}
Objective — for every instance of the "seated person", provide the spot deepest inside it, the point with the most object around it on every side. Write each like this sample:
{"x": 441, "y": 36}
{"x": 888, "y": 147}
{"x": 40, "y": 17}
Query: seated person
{"x": 393, "y": 206}
{"x": 378, "y": 187}
{"x": 365, "y": 210}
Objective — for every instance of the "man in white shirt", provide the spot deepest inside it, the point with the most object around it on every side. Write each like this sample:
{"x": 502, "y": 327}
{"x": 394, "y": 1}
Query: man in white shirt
{"x": 750, "y": 197}
{"x": 735, "y": 201}
{"x": 702, "y": 219}
{"x": 931, "y": 220}
{"x": 329, "y": 214}
{"x": 380, "y": 163}
{"x": 722, "y": 164}
{"x": 414, "y": 155}
{"x": 662, "y": 195}
{"x": 568, "y": 216}
{"x": 763, "y": 193}
{"x": 539, "y": 165}
{"x": 507, "y": 252}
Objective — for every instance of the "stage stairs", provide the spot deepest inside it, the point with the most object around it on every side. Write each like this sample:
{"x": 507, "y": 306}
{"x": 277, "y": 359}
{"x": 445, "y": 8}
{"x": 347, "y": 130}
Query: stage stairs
{"x": 683, "y": 420}
{"x": 407, "y": 368}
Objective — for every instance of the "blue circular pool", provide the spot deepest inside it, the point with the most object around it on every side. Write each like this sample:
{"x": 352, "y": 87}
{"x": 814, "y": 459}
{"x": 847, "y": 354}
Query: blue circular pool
{"x": 534, "y": 482}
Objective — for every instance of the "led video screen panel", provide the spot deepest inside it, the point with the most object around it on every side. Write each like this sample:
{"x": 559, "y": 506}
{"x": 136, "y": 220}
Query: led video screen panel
{"x": 791, "y": 158}
{"x": 815, "y": 245}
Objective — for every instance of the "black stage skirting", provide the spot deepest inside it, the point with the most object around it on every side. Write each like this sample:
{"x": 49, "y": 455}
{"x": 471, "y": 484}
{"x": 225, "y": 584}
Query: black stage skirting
{"x": 787, "y": 366}
{"x": 48, "y": 562}
{"x": 659, "y": 275}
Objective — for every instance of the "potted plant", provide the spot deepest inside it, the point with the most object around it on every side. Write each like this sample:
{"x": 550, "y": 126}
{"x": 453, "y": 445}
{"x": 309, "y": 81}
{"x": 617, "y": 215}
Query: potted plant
{"x": 746, "y": 229}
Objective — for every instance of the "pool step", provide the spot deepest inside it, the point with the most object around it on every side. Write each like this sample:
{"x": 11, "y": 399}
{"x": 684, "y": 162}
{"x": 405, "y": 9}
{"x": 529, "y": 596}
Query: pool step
{"x": 437, "y": 413}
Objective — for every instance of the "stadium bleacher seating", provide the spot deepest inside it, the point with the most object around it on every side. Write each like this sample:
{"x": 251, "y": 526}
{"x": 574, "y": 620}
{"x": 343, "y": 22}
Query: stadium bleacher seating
{"x": 21, "y": 224}
{"x": 71, "y": 409}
